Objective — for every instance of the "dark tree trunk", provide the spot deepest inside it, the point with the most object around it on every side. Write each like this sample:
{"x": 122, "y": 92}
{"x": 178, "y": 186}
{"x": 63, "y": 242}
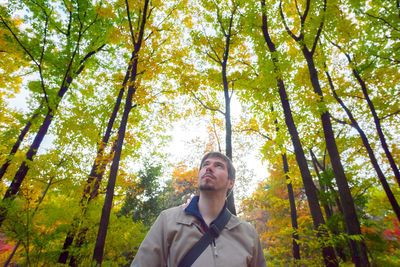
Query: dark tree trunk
{"x": 96, "y": 175}
{"x": 358, "y": 248}
{"x": 293, "y": 213}
{"x": 328, "y": 252}
{"x": 13, "y": 189}
{"x": 228, "y": 123}
{"x": 292, "y": 203}
{"x": 19, "y": 141}
{"x": 228, "y": 137}
{"x": 377, "y": 122}
{"x": 326, "y": 204}
{"x": 105, "y": 214}
{"x": 371, "y": 154}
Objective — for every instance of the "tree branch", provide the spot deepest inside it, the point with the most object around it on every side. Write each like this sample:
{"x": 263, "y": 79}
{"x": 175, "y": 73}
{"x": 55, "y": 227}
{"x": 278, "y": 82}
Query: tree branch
{"x": 382, "y": 19}
{"x": 205, "y": 106}
{"x": 130, "y": 22}
{"x": 321, "y": 25}
{"x": 389, "y": 115}
{"x": 291, "y": 34}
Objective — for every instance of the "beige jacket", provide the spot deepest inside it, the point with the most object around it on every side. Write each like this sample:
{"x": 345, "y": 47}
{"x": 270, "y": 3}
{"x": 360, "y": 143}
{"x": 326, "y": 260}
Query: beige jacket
{"x": 175, "y": 232}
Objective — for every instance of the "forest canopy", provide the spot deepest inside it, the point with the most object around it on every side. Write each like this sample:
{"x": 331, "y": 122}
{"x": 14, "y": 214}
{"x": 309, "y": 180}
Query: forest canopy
{"x": 94, "y": 92}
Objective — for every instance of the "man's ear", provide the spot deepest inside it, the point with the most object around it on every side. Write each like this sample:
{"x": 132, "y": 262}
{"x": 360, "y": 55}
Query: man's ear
{"x": 231, "y": 183}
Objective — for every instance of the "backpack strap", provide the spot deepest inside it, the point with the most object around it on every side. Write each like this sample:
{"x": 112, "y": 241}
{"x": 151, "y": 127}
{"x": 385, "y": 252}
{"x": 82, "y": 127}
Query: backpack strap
{"x": 213, "y": 232}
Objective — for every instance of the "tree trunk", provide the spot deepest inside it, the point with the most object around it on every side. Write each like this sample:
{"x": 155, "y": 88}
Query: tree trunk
{"x": 374, "y": 161}
{"x": 358, "y": 249}
{"x": 105, "y": 214}
{"x": 96, "y": 175}
{"x": 327, "y": 207}
{"x": 293, "y": 213}
{"x": 327, "y": 251}
{"x": 292, "y": 203}
{"x": 228, "y": 136}
{"x": 19, "y": 141}
{"x": 13, "y": 189}
{"x": 377, "y": 122}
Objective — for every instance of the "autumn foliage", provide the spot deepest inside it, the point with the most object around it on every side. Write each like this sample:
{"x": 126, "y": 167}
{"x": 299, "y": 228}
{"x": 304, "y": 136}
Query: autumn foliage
{"x": 90, "y": 92}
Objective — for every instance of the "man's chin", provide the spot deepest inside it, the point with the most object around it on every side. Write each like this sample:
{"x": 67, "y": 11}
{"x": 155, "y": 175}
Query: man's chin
{"x": 206, "y": 188}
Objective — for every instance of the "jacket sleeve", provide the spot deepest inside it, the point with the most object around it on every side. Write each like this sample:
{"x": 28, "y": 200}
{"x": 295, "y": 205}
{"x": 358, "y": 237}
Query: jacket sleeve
{"x": 153, "y": 251}
{"x": 258, "y": 259}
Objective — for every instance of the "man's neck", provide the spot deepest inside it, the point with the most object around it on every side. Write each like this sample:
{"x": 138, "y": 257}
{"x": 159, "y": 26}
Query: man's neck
{"x": 210, "y": 205}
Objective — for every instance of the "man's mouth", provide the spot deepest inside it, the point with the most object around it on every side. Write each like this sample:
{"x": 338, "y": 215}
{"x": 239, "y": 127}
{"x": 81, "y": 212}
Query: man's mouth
{"x": 209, "y": 175}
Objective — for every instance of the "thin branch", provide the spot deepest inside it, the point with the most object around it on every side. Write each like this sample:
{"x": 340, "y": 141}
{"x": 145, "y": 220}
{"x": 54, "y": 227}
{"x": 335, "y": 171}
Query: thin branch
{"x": 205, "y": 106}
{"x": 219, "y": 18}
{"x": 130, "y": 21}
{"x": 142, "y": 25}
{"x": 249, "y": 65}
{"x": 339, "y": 121}
{"x": 90, "y": 24}
{"x": 88, "y": 55}
{"x": 258, "y": 132}
{"x": 217, "y": 59}
{"x": 297, "y": 8}
{"x": 41, "y": 60}
{"x": 316, "y": 161}
{"x": 291, "y": 34}
{"x": 18, "y": 41}
{"x": 304, "y": 17}
{"x": 163, "y": 20}
{"x": 216, "y": 137}
{"x": 319, "y": 29}
{"x": 389, "y": 115}
{"x": 384, "y": 21}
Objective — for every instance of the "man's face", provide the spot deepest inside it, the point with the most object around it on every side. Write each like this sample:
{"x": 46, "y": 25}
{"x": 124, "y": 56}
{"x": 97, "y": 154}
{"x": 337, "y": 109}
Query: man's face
{"x": 213, "y": 176}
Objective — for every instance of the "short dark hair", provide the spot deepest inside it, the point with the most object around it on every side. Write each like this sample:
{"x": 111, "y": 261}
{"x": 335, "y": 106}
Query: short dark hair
{"x": 231, "y": 169}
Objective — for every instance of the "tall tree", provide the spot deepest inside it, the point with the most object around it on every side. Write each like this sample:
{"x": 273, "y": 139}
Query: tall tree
{"x": 78, "y": 48}
{"x": 315, "y": 209}
{"x": 218, "y": 39}
{"x": 142, "y": 25}
{"x": 308, "y": 45}
{"x": 371, "y": 154}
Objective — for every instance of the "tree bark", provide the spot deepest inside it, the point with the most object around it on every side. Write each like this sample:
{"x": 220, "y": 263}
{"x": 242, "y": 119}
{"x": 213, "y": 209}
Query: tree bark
{"x": 13, "y": 189}
{"x": 292, "y": 202}
{"x": 228, "y": 136}
{"x": 293, "y": 213}
{"x": 95, "y": 175}
{"x": 358, "y": 248}
{"x": 371, "y": 154}
{"x": 377, "y": 122}
{"x": 327, "y": 207}
{"x": 328, "y": 252}
{"x": 19, "y": 141}
{"x": 106, "y": 211}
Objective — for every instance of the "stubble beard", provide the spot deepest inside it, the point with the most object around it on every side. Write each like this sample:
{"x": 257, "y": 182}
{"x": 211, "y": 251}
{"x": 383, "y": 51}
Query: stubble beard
{"x": 206, "y": 187}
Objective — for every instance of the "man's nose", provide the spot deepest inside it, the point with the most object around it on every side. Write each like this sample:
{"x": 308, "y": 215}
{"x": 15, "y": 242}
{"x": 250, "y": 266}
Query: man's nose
{"x": 209, "y": 168}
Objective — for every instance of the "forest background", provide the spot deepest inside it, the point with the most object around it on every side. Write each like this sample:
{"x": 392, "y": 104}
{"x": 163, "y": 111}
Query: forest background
{"x": 311, "y": 88}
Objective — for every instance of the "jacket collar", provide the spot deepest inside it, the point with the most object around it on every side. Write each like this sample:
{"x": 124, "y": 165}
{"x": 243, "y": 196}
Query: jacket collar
{"x": 190, "y": 215}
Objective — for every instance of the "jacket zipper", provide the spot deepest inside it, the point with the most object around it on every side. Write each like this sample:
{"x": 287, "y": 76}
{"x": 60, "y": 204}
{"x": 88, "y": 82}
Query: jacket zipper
{"x": 214, "y": 251}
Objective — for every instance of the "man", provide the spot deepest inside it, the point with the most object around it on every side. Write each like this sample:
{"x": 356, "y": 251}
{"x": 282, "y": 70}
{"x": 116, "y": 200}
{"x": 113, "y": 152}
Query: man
{"x": 178, "y": 229}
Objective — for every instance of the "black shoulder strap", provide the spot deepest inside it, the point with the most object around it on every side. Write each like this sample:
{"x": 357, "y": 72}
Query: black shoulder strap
{"x": 213, "y": 232}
